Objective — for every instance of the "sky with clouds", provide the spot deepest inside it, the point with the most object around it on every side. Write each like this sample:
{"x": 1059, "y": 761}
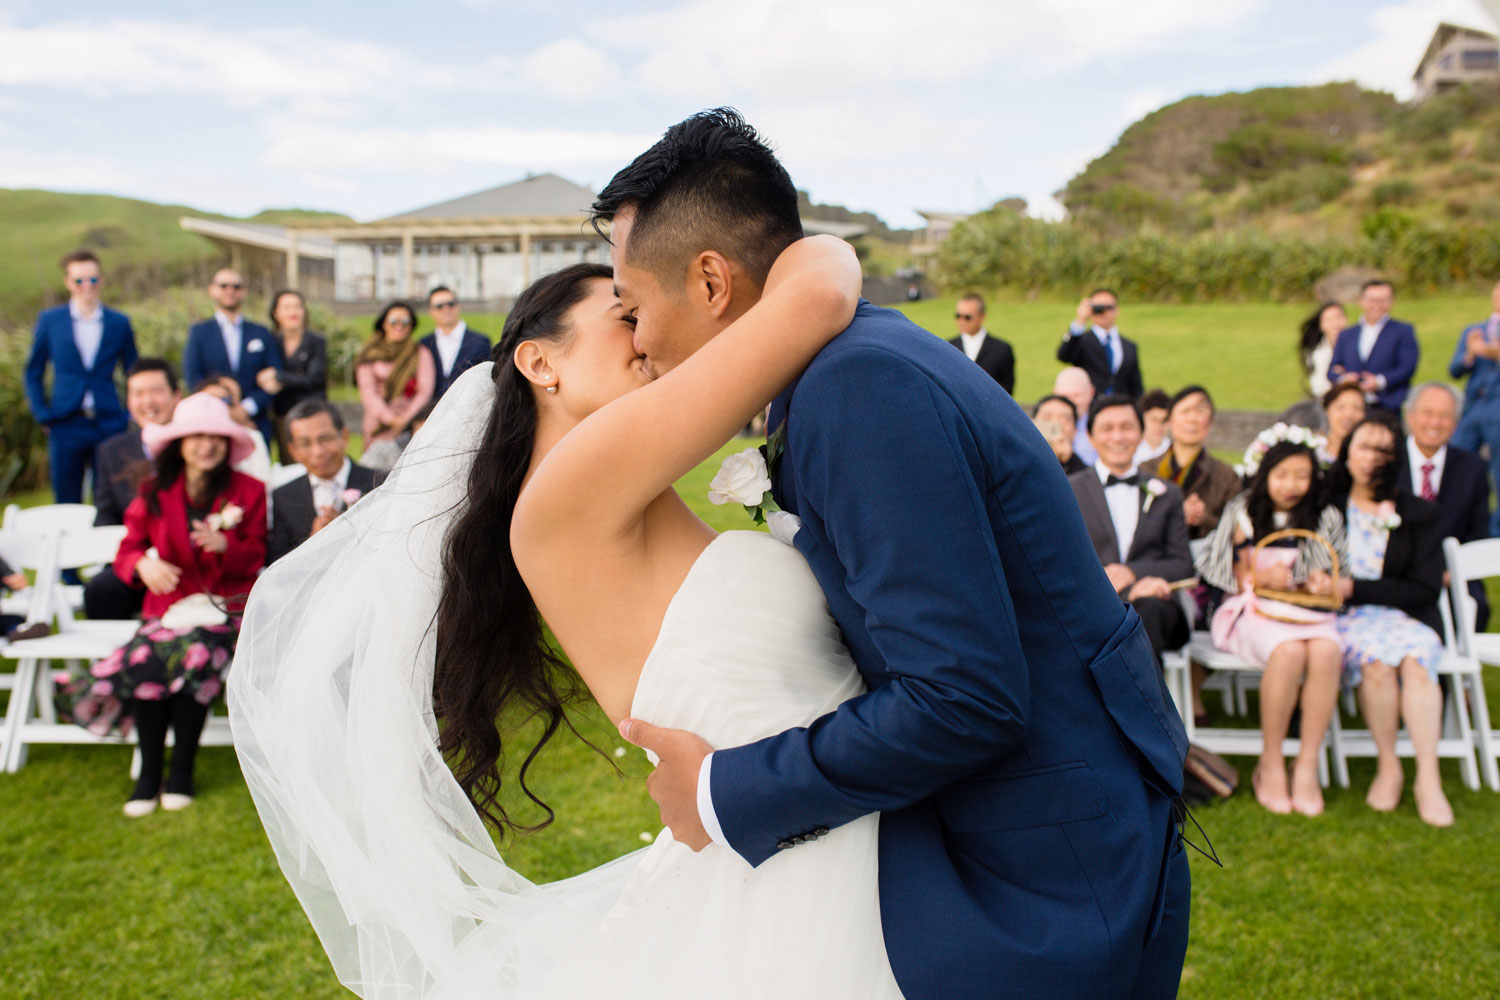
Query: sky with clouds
{"x": 374, "y": 107}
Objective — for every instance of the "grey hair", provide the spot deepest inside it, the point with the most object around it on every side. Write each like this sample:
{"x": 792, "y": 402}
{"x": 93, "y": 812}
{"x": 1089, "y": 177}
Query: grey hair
{"x": 1448, "y": 387}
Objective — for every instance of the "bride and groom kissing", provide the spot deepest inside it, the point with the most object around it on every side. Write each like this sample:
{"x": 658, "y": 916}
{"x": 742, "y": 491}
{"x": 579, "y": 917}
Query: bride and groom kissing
{"x": 923, "y": 750}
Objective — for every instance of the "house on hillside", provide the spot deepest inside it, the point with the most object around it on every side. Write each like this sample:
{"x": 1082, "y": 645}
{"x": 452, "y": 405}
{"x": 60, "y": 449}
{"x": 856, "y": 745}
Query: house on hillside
{"x": 932, "y": 235}
{"x": 486, "y": 246}
{"x": 1455, "y": 56}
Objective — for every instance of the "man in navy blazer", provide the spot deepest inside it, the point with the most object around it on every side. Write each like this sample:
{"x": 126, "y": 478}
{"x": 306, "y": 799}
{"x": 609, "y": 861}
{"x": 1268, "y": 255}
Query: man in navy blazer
{"x": 455, "y": 348}
{"x": 229, "y": 344}
{"x": 1379, "y": 352}
{"x": 1015, "y": 737}
{"x": 84, "y": 343}
{"x": 1478, "y": 357}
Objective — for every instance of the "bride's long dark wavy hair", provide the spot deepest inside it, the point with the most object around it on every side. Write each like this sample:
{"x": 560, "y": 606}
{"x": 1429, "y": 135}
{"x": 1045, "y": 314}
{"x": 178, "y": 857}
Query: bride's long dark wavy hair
{"x": 492, "y": 650}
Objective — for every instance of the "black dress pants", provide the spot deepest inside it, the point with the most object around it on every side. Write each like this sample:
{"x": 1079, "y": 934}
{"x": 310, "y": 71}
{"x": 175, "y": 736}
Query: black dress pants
{"x": 1166, "y": 625}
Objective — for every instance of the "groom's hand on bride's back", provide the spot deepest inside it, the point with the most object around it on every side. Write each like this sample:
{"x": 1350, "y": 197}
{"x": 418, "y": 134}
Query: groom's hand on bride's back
{"x": 674, "y": 783}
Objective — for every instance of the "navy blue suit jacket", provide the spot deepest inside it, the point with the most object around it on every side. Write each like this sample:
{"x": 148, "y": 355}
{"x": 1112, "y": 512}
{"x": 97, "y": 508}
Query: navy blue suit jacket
{"x": 205, "y": 355}
{"x": 1016, "y": 736}
{"x": 1484, "y": 374}
{"x": 1395, "y": 355}
{"x": 474, "y": 349}
{"x": 53, "y": 342}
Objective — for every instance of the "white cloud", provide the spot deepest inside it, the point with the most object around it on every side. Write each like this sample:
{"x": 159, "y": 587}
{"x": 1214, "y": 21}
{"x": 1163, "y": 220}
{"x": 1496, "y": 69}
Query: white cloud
{"x": 1402, "y": 31}
{"x": 25, "y": 168}
{"x": 571, "y": 69}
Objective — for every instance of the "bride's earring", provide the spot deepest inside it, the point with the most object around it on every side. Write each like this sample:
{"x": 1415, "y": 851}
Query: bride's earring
{"x": 552, "y": 389}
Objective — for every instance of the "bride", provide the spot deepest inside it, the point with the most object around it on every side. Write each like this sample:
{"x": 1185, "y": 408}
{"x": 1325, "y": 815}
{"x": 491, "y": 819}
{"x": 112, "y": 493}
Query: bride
{"x": 374, "y": 662}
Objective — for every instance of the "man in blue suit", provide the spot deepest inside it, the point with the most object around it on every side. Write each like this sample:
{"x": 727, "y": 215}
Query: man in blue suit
{"x": 1016, "y": 738}
{"x": 84, "y": 343}
{"x": 1478, "y": 357}
{"x": 455, "y": 348}
{"x": 229, "y": 344}
{"x": 1379, "y": 352}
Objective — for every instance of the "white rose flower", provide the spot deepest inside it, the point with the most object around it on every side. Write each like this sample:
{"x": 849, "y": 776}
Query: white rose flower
{"x": 742, "y": 479}
{"x": 231, "y": 515}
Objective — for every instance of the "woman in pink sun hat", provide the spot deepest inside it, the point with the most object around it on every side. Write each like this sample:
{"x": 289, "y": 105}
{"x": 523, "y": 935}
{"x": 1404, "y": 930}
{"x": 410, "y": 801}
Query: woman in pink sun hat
{"x": 195, "y": 540}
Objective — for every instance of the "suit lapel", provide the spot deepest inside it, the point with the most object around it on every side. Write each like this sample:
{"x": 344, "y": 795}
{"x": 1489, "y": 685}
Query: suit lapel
{"x": 1098, "y": 514}
{"x": 987, "y": 348}
{"x": 71, "y": 348}
{"x": 1140, "y": 521}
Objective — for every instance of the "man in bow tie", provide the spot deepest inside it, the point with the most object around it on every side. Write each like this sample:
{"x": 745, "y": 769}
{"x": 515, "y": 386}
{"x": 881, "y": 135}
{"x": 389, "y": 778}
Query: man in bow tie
{"x": 305, "y": 506}
{"x": 1135, "y": 523}
{"x": 229, "y": 344}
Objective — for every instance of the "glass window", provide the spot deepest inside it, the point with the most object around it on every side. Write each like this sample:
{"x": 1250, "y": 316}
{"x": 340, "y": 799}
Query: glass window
{"x": 1482, "y": 59}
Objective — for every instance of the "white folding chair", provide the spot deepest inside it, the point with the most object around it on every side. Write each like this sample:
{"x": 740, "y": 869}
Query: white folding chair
{"x": 51, "y": 519}
{"x": 1468, "y": 562}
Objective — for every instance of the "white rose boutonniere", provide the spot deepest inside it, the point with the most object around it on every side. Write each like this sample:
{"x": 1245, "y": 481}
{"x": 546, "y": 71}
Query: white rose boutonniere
{"x": 349, "y": 496}
{"x": 744, "y": 479}
{"x": 226, "y": 518}
{"x": 1386, "y": 516}
{"x": 1153, "y": 488}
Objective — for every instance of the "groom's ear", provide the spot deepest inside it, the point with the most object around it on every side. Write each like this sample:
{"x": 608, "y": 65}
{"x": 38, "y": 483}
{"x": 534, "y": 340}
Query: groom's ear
{"x": 712, "y": 282}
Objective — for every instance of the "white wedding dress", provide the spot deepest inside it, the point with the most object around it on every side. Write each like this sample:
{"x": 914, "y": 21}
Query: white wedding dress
{"x": 330, "y": 700}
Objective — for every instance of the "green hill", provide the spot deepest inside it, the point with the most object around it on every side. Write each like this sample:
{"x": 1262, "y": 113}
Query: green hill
{"x": 1308, "y": 161}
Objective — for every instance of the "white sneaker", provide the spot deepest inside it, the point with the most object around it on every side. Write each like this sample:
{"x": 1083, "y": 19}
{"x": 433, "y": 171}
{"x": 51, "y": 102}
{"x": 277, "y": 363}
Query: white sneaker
{"x": 173, "y": 802}
{"x": 136, "y": 808}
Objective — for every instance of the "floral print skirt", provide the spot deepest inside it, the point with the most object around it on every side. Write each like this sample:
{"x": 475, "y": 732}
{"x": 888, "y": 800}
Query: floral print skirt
{"x": 155, "y": 664}
{"x": 1376, "y": 634}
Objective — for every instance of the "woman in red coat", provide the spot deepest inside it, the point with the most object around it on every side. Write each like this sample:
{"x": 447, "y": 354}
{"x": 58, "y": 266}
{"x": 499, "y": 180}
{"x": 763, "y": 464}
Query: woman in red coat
{"x": 196, "y": 538}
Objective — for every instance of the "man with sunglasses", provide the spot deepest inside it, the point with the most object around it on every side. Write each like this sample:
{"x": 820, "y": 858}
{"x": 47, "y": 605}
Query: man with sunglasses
{"x": 84, "y": 343}
{"x": 1093, "y": 343}
{"x": 983, "y": 348}
{"x": 455, "y": 348}
{"x": 229, "y": 344}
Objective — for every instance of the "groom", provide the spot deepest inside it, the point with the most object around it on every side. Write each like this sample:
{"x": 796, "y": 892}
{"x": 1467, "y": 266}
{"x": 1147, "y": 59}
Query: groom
{"x": 1016, "y": 737}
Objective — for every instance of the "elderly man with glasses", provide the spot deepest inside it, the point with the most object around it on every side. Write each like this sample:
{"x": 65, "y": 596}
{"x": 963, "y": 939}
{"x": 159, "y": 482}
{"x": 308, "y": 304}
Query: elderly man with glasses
{"x": 455, "y": 348}
{"x": 84, "y": 343}
{"x": 229, "y": 344}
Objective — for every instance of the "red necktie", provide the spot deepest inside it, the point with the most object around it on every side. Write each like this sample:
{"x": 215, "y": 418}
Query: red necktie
{"x": 1428, "y": 493}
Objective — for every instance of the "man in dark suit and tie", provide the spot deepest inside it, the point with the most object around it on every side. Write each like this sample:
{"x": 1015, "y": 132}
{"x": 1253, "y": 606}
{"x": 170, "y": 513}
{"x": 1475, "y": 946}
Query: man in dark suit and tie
{"x": 1094, "y": 344}
{"x": 229, "y": 344}
{"x": 1135, "y": 523}
{"x": 1442, "y": 473}
{"x": 83, "y": 342}
{"x": 1379, "y": 353}
{"x": 455, "y": 348}
{"x": 307, "y": 505}
{"x": 982, "y": 347}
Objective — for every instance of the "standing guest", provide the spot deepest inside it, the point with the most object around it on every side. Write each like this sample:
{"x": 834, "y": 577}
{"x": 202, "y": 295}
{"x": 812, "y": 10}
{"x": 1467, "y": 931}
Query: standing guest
{"x": 256, "y": 465}
{"x": 1379, "y": 354}
{"x": 229, "y": 344}
{"x": 1343, "y": 408}
{"x": 396, "y": 378}
{"x": 1285, "y": 491}
{"x": 982, "y": 347}
{"x": 1094, "y": 344}
{"x": 1478, "y": 357}
{"x": 1320, "y": 332}
{"x": 308, "y": 504}
{"x": 1135, "y": 523}
{"x": 83, "y": 342}
{"x": 455, "y": 348}
{"x": 1390, "y": 624}
{"x": 304, "y": 364}
{"x": 1454, "y": 479}
{"x": 1207, "y": 484}
{"x": 120, "y": 467}
{"x": 196, "y": 539}
{"x": 1074, "y": 385}
{"x": 1057, "y": 418}
{"x": 1155, "y": 441}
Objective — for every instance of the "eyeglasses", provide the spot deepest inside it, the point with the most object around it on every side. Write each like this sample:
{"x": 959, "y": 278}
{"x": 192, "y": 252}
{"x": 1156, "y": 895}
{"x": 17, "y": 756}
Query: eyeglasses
{"x": 229, "y": 284}
{"x": 403, "y": 323}
{"x": 963, "y": 316}
{"x": 322, "y": 441}
{"x": 445, "y": 305}
{"x": 85, "y": 281}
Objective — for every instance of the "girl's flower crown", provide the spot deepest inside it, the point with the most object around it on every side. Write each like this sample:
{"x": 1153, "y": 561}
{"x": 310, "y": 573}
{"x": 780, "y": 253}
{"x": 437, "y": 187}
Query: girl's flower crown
{"x": 1274, "y": 435}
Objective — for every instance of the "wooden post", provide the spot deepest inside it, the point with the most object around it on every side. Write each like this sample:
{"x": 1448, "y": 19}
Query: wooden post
{"x": 292, "y": 269}
{"x": 408, "y": 259}
{"x": 525, "y": 260}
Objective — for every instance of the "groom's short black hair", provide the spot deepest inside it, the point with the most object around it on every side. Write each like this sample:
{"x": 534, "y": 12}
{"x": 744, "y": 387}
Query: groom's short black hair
{"x": 710, "y": 183}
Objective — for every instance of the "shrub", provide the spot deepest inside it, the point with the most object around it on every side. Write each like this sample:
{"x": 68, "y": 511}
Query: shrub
{"x": 1397, "y": 191}
{"x": 1305, "y": 189}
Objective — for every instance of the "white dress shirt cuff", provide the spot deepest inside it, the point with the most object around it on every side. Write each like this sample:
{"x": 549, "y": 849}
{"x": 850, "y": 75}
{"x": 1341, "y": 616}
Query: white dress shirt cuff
{"x": 250, "y": 405}
{"x": 1381, "y": 383}
{"x": 1074, "y": 329}
{"x": 706, "y": 814}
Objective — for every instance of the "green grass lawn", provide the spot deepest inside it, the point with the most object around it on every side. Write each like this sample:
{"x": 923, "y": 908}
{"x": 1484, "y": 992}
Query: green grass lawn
{"x": 1245, "y": 353}
{"x": 192, "y": 905}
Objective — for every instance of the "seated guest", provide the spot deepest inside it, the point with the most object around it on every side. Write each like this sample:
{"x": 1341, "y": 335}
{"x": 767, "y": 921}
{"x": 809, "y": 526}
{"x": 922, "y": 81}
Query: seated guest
{"x": 120, "y": 465}
{"x": 1286, "y": 488}
{"x": 396, "y": 378}
{"x": 1135, "y": 523}
{"x": 1155, "y": 440}
{"x": 1442, "y": 473}
{"x": 257, "y": 465}
{"x": 1343, "y": 407}
{"x": 1057, "y": 419}
{"x": 308, "y": 504}
{"x": 304, "y": 364}
{"x": 1390, "y": 623}
{"x": 196, "y": 539}
{"x": 1207, "y": 484}
{"x": 14, "y": 582}
{"x": 1073, "y": 384}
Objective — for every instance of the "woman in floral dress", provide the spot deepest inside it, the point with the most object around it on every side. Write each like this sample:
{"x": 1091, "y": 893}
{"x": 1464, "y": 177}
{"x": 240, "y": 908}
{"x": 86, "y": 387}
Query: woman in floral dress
{"x": 1390, "y": 625}
{"x": 196, "y": 537}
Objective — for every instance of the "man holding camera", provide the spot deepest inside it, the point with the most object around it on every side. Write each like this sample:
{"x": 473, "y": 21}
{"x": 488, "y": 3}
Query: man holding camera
{"x": 1094, "y": 344}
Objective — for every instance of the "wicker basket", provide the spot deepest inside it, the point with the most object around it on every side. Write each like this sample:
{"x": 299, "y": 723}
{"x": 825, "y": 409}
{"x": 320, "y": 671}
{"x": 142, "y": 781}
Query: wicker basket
{"x": 1297, "y": 598}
